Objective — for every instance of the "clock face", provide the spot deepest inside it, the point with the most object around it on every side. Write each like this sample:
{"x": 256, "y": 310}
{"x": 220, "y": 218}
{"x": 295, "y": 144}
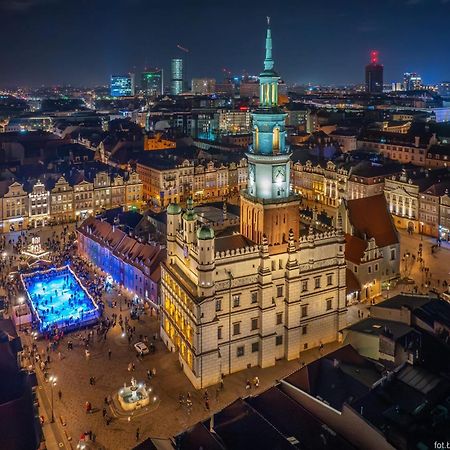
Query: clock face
{"x": 251, "y": 172}
{"x": 278, "y": 174}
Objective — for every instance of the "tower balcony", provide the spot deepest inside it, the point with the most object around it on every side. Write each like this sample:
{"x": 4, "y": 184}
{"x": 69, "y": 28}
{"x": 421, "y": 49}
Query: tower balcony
{"x": 290, "y": 197}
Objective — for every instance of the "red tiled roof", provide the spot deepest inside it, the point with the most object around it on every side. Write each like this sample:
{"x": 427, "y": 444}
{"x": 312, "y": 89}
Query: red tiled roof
{"x": 232, "y": 242}
{"x": 354, "y": 248}
{"x": 352, "y": 283}
{"x": 370, "y": 218}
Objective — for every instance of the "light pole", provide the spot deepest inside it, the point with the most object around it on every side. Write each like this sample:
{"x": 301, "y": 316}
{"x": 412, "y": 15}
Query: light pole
{"x": 52, "y": 380}
{"x": 20, "y": 301}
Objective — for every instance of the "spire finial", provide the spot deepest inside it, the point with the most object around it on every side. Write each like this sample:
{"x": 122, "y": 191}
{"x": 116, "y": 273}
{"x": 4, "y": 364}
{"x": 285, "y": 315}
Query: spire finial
{"x": 268, "y": 62}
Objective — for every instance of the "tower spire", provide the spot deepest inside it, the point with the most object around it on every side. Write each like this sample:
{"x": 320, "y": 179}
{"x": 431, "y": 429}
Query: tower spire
{"x": 268, "y": 62}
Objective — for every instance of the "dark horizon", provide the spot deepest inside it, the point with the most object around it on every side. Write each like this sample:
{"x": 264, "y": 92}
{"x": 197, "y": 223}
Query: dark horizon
{"x": 55, "y": 42}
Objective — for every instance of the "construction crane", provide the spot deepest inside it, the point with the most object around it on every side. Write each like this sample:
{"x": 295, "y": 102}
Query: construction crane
{"x": 184, "y": 49}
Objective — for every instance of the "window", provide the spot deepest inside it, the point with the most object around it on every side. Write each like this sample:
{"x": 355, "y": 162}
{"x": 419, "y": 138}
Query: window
{"x": 219, "y": 332}
{"x": 240, "y": 351}
{"x": 304, "y": 311}
{"x": 254, "y": 297}
{"x": 236, "y": 301}
{"x": 376, "y": 267}
{"x": 369, "y": 269}
{"x": 236, "y": 328}
{"x": 218, "y": 304}
{"x": 317, "y": 282}
{"x": 279, "y": 291}
{"x": 355, "y": 269}
{"x": 304, "y": 285}
{"x": 279, "y": 318}
{"x": 254, "y": 324}
{"x": 304, "y": 329}
{"x": 255, "y": 347}
{"x": 305, "y": 346}
{"x": 329, "y": 303}
{"x": 329, "y": 279}
{"x": 392, "y": 254}
{"x": 278, "y": 340}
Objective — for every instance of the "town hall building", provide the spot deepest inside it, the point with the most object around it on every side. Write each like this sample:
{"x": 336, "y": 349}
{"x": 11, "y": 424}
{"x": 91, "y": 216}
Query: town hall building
{"x": 236, "y": 300}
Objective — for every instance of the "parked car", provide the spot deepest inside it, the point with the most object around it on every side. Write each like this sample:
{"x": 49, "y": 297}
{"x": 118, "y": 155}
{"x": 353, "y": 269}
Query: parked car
{"x": 141, "y": 348}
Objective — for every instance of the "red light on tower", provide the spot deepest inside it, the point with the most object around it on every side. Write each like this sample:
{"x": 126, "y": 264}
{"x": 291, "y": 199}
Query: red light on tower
{"x": 374, "y": 56}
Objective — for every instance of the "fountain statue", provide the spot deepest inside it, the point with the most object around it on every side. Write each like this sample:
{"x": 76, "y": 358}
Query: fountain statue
{"x": 134, "y": 396}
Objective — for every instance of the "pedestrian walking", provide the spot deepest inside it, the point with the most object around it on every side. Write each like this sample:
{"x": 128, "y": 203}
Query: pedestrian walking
{"x": 248, "y": 385}
{"x": 149, "y": 374}
{"x": 109, "y": 352}
{"x": 256, "y": 382}
{"x": 137, "y": 434}
{"x": 60, "y": 394}
{"x": 104, "y": 412}
{"x": 154, "y": 372}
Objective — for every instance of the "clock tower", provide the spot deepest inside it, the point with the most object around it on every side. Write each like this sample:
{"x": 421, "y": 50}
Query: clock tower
{"x": 268, "y": 206}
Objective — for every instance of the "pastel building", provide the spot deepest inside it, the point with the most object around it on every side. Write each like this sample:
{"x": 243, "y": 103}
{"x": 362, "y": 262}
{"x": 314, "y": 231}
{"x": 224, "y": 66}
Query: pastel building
{"x": 133, "y": 265}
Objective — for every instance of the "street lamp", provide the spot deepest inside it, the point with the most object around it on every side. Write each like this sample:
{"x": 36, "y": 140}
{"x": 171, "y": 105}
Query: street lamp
{"x": 20, "y": 301}
{"x": 52, "y": 380}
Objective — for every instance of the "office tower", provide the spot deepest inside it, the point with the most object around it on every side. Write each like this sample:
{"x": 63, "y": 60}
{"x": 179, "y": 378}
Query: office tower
{"x": 152, "y": 82}
{"x": 444, "y": 89}
{"x": 122, "y": 85}
{"x": 374, "y": 75}
{"x": 412, "y": 81}
{"x": 203, "y": 86}
{"x": 176, "y": 82}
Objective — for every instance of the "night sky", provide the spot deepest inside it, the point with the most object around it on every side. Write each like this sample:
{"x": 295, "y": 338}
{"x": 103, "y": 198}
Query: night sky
{"x": 327, "y": 41}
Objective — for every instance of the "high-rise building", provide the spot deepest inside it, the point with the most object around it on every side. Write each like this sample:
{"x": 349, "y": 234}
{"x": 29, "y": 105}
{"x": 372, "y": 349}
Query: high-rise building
{"x": 374, "y": 75}
{"x": 122, "y": 85}
{"x": 203, "y": 86}
{"x": 152, "y": 82}
{"x": 444, "y": 89}
{"x": 237, "y": 300}
{"x": 412, "y": 81}
{"x": 176, "y": 81}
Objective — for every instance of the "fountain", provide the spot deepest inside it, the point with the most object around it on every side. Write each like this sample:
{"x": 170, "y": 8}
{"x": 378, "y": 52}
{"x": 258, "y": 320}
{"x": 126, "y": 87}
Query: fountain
{"x": 134, "y": 397}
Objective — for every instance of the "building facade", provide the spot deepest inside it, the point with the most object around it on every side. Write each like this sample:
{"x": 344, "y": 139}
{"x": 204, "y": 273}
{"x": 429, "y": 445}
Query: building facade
{"x": 131, "y": 264}
{"x": 203, "y": 86}
{"x": 270, "y": 292}
{"x": 62, "y": 202}
{"x": 176, "y": 80}
{"x": 203, "y": 182}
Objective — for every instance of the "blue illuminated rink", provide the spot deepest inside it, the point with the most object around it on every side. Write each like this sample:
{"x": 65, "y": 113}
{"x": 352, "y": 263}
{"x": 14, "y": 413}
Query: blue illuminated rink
{"x": 58, "y": 299}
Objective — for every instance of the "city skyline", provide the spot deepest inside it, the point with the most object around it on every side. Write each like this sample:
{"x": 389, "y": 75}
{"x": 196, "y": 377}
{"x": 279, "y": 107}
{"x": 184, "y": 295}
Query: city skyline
{"x": 320, "y": 44}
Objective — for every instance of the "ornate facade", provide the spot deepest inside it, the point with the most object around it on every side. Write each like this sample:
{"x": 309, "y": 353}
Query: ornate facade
{"x": 239, "y": 300}
{"x": 61, "y": 202}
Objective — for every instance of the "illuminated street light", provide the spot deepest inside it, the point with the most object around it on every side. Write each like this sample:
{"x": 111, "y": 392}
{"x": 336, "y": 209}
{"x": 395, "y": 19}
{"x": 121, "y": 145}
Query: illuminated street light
{"x": 52, "y": 380}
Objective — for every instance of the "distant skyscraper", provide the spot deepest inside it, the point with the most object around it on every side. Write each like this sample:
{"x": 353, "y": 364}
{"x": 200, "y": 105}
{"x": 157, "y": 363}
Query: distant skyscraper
{"x": 176, "y": 82}
{"x": 122, "y": 85}
{"x": 412, "y": 81}
{"x": 374, "y": 75}
{"x": 203, "y": 86}
{"x": 152, "y": 82}
{"x": 444, "y": 89}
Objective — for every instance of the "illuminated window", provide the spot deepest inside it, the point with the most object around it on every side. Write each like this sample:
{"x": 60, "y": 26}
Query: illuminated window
{"x": 276, "y": 138}
{"x": 256, "y": 139}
